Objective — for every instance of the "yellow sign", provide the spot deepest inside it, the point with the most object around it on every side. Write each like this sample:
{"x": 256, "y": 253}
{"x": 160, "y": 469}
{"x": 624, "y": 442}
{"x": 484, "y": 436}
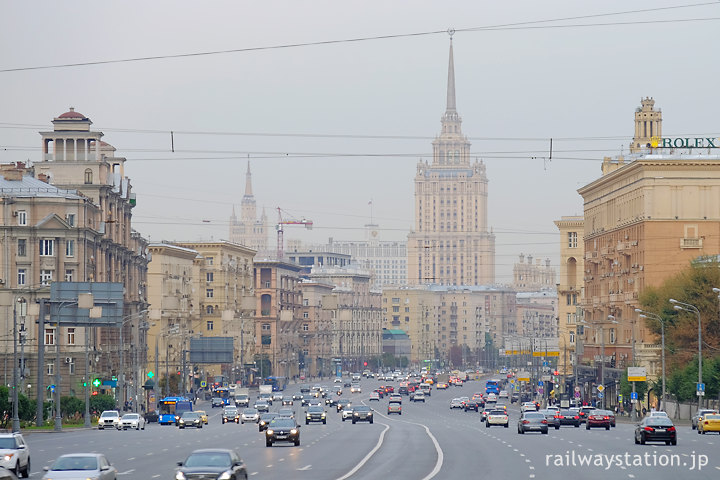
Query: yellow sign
{"x": 546, "y": 354}
{"x": 637, "y": 374}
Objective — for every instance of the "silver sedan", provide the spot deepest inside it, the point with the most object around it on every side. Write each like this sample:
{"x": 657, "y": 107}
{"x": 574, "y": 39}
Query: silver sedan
{"x": 81, "y": 466}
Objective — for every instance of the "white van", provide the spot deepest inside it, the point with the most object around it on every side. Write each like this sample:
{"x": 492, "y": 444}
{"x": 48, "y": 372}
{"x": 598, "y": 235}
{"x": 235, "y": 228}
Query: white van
{"x": 426, "y": 388}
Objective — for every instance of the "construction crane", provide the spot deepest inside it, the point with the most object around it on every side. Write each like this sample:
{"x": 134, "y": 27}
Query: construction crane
{"x": 288, "y": 220}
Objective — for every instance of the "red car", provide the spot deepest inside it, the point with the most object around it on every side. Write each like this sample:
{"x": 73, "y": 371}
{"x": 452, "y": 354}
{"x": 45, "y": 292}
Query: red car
{"x": 598, "y": 418}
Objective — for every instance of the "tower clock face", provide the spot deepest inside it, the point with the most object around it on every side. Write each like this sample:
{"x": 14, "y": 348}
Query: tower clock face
{"x": 374, "y": 233}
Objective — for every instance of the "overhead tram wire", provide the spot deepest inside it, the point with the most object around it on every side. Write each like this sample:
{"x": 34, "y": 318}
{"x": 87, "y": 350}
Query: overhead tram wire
{"x": 526, "y": 25}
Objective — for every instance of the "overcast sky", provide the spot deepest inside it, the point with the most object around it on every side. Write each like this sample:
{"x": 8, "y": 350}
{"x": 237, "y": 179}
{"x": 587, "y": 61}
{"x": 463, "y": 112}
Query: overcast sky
{"x": 346, "y": 122}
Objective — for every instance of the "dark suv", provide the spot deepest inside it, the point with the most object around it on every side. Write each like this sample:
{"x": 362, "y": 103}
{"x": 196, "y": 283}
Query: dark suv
{"x": 282, "y": 430}
{"x": 315, "y": 414}
{"x": 362, "y": 413}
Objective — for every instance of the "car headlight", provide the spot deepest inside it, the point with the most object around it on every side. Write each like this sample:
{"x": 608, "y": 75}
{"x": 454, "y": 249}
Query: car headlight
{"x": 293, "y": 431}
{"x": 308, "y": 417}
{"x": 225, "y": 476}
{"x": 262, "y": 422}
{"x": 269, "y": 432}
{"x": 8, "y": 456}
{"x": 369, "y": 414}
{"x": 323, "y": 415}
{"x": 179, "y": 476}
{"x": 181, "y": 421}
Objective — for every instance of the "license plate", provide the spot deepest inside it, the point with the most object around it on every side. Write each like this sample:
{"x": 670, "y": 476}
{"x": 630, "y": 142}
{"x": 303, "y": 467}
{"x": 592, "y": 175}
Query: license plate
{"x": 659, "y": 429}
{"x": 281, "y": 437}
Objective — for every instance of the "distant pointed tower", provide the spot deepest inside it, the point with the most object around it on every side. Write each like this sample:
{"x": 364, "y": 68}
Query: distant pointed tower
{"x": 451, "y": 244}
{"x": 648, "y": 124}
{"x": 249, "y": 231}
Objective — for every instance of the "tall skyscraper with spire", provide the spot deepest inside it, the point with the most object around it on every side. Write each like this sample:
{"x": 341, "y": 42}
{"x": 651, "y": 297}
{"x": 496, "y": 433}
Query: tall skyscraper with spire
{"x": 249, "y": 230}
{"x": 451, "y": 244}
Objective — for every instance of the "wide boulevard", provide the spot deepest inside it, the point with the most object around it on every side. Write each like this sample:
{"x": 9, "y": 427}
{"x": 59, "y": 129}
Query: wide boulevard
{"x": 427, "y": 441}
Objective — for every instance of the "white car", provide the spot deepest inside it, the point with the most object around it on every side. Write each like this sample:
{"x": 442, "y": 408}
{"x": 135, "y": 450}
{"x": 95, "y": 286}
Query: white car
{"x": 15, "y": 454}
{"x": 503, "y": 394}
{"x": 337, "y": 380}
{"x": 497, "y": 417}
{"x": 355, "y": 389}
{"x": 131, "y": 420}
{"x": 528, "y": 407}
{"x": 109, "y": 419}
{"x": 346, "y": 413}
{"x": 250, "y": 415}
{"x": 375, "y": 396}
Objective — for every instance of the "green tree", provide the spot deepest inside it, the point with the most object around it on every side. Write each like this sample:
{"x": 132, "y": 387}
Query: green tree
{"x": 100, "y": 403}
{"x": 626, "y": 387}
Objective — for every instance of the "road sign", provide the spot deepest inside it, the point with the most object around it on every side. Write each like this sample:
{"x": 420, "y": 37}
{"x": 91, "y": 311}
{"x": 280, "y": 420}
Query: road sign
{"x": 540, "y": 390}
{"x": 601, "y": 394}
{"x": 633, "y": 396}
{"x": 577, "y": 394}
{"x": 545, "y": 378}
{"x": 700, "y": 393}
{"x": 512, "y": 381}
{"x": 600, "y": 388}
{"x": 577, "y": 389}
{"x": 700, "y": 387}
{"x": 52, "y": 388}
{"x": 620, "y": 397}
{"x": 637, "y": 374}
{"x": 540, "y": 383}
{"x": 203, "y": 384}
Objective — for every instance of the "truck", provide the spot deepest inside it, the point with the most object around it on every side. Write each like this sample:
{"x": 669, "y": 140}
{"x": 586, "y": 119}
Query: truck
{"x": 242, "y": 397}
{"x": 266, "y": 389}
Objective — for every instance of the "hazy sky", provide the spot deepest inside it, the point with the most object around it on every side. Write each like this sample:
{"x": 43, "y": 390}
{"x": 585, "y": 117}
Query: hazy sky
{"x": 346, "y": 122}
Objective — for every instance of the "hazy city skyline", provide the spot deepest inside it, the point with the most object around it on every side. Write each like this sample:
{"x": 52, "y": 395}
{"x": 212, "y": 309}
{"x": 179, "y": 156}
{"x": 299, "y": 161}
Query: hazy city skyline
{"x": 329, "y": 128}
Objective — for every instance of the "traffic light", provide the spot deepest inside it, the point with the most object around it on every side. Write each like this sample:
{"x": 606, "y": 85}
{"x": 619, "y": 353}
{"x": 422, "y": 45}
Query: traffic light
{"x": 96, "y": 382}
{"x": 150, "y": 374}
{"x": 84, "y": 384}
{"x": 365, "y": 364}
{"x": 556, "y": 373}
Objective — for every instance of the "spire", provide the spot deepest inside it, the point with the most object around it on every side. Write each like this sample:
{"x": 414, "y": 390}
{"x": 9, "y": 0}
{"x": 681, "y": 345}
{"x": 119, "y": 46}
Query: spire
{"x": 451, "y": 81}
{"x": 248, "y": 182}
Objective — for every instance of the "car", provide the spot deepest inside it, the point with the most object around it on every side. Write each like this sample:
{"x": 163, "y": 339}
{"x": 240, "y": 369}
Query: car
{"x": 347, "y": 384}
{"x": 503, "y": 394}
{"x": 527, "y": 407}
{"x": 215, "y": 463}
{"x": 15, "y": 454}
{"x": 297, "y": 396}
{"x": 471, "y": 404}
{"x": 355, "y": 388}
{"x": 342, "y": 403}
{"x": 697, "y": 418}
{"x": 484, "y": 413}
{"x": 394, "y": 407}
{"x": 550, "y": 417}
{"x": 380, "y": 391}
{"x": 337, "y": 380}
{"x": 277, "y": 397}
{"x": 265, "y": 396}
{"x": 203, "y": 415}
{"x": 131, "y": 420}
{"x": 265, "y": 420}
{"x": 497, "y": 417}
{"x": 7, "y": 474}
{"x": 531, "y": 421}
{"x": 330, "y": 401}
{"x": 655, "y": 429}
{"x": 282, "y": 430}
{"x": 230, "y": 414}
{"x": 514, "y": 398}
{"x": 598, "y": 418}
{"x": 262, "y": 405}
{"x": 375, "y": 396}
{"x": 81, "y": 465}
{"x": 304, "y": 389}
{"x": 315, "y": 414}
{"x": 217, "y": 402}
{"x": 709, "y": 423}
{"x": 395, "y": 398}
{"x": 658, "y": 413}
{"x": 491, "y": 398}
{"x": 441, "y": 386}
{"x": 583, "y": 413}
{"x": 249, "y": 415}
{"x": 403, "y": 390}
{"x": 346, "y": 413}
{"x": 109, "y": 419}
{"x": 287, "y": 400}
{"x": 242, "y": 400}
{"x": 362, "y": 413}
{"x": 286, "y": 413}
{"x": 567, "y": 417}
{"x": 191, "y": 419}
{"x": 306, "y": 399}
{"x": 418, "y": 397}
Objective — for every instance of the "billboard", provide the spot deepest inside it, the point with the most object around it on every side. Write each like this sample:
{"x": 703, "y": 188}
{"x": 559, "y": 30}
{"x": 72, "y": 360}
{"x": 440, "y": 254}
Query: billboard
{"x": 64, "y": 303}
{"x": 211, "y": 350}
{"x": 637, "y": 374}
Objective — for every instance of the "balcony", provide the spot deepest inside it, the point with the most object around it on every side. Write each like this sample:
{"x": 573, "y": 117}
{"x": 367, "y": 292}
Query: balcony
{"x": 591, "y": 256}
{"x": 691, "y": 243}
{"x": 605, "y": 251}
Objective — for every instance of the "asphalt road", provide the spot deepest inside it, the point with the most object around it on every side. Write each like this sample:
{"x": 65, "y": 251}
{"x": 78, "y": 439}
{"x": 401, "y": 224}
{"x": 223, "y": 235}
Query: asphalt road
{"x": 427, "y": 441}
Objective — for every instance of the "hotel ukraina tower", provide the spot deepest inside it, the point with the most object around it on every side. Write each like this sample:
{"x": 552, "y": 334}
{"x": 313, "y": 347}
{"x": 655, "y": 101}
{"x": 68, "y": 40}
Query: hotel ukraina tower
{"x": 451, "y": 244}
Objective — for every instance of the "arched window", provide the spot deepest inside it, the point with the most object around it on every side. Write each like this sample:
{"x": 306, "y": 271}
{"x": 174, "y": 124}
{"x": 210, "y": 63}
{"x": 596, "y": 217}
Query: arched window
{"x": 88, "y": 176}
{"x": 209, "y": 309}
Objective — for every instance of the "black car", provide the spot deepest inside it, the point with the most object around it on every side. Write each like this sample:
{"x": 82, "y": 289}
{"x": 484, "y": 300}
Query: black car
{"x": 342, "y": 403}
{"x": 306, "y": 399}
{"x": 403, "y": 390}
{"x": 217, "y": 402}
{"x": 190, "y": 419}
{"x": 532, "y": 421}
{"x": 362, "y": 413}
{"x": 297, "y": 396}
{"x": 315, "y": 414}
{"x": 656, "y": 429}
{"x": 282, "y": 430}
{"x": 213, "y": 463}
{"x": 265, "y": 420}
{"x": 472, "y": 404}
{"x": 287, "y": 400}
{"x": 567, "y": 417}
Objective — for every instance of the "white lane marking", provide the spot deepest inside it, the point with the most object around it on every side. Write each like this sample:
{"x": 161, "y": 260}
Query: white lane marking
{"x": 156, "y": 476}
{"x": 369, "y": 455}
{"x": 126, "y": 472}
{"x": 268, "y": 466}
{"x": 131, "y": 458}
{"x": 306, "y": 467}
{"x": 253, "y": 473}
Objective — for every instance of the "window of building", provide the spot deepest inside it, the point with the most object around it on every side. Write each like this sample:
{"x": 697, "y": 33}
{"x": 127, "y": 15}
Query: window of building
{"x": 46, "y": 277}
{"x": 70, "y": 218}
{"x": 396, "y": 300}
{"x": 21, "y": 276}
{"x": 50, "y": 336}
{"x": 209, "y": 325}
{"x": 51, "y": 368}
{"x": 88, "y": 176}
{"x": 22, "y": 247}
{"x": 209, "y": 310}
{"x": 306, "y": 327}
{"x": 306, "y": 302}
{"x": 265, "y": 327}
{"x": 209, "y": 293}
{"x": 266, "y": 339}
{"x": 47, "y": 247}
{"x": 22, "y": 217}
{"x": 69, "y": 248}
{"x": 396, "y": 309}
{"x": 572, "y": 337}
{"x": 612, "y": 335}
{"x": 71, "y": 336}
{"x": 71, "y": 366}
{"x": 306, "y": 315}
{"x": 572, "y": 239}
{"x": 209, "y": 276}
{"x": 69, "y": 274}
{"x": 209, "y": 260}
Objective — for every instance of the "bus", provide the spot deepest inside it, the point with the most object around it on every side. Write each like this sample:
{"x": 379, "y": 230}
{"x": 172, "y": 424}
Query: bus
{"x": 222, "y": 392}
{"x": 492, "y": 386}
{"x": 171, "y": 408}
{"x": 278, "y": 383}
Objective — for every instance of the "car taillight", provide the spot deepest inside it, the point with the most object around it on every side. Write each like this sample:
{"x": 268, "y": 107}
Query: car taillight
{"x": 576, "y": 417}
{"x": 672, "y": 429}
{"x": 606, "y": 418}
{"x": 706, "y": 422}
{"x": 558, "y": 416}
{"x": 544, "y": 421}
{"x": 525, "y": 422}
{"x": 649, "y": 429}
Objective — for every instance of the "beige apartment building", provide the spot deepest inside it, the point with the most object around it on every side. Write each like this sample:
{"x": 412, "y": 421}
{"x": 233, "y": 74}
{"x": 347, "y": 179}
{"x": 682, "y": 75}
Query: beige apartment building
{"x": 224, "y": 282}
{"x": 415, "y": 311}
{"x": 646, "y": 218}
{"x": 533, "y": 276}
{"x": 316, "y": 334}
{"x": 570, "y": 288}
{"x": 451, "y": 243}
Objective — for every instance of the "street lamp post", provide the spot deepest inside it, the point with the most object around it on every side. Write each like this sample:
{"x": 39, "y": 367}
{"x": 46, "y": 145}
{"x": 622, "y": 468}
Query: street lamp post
{"x": 599, "y": 328}
{"x": 693, "y": 309}
{"x": 644, "y": 314}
